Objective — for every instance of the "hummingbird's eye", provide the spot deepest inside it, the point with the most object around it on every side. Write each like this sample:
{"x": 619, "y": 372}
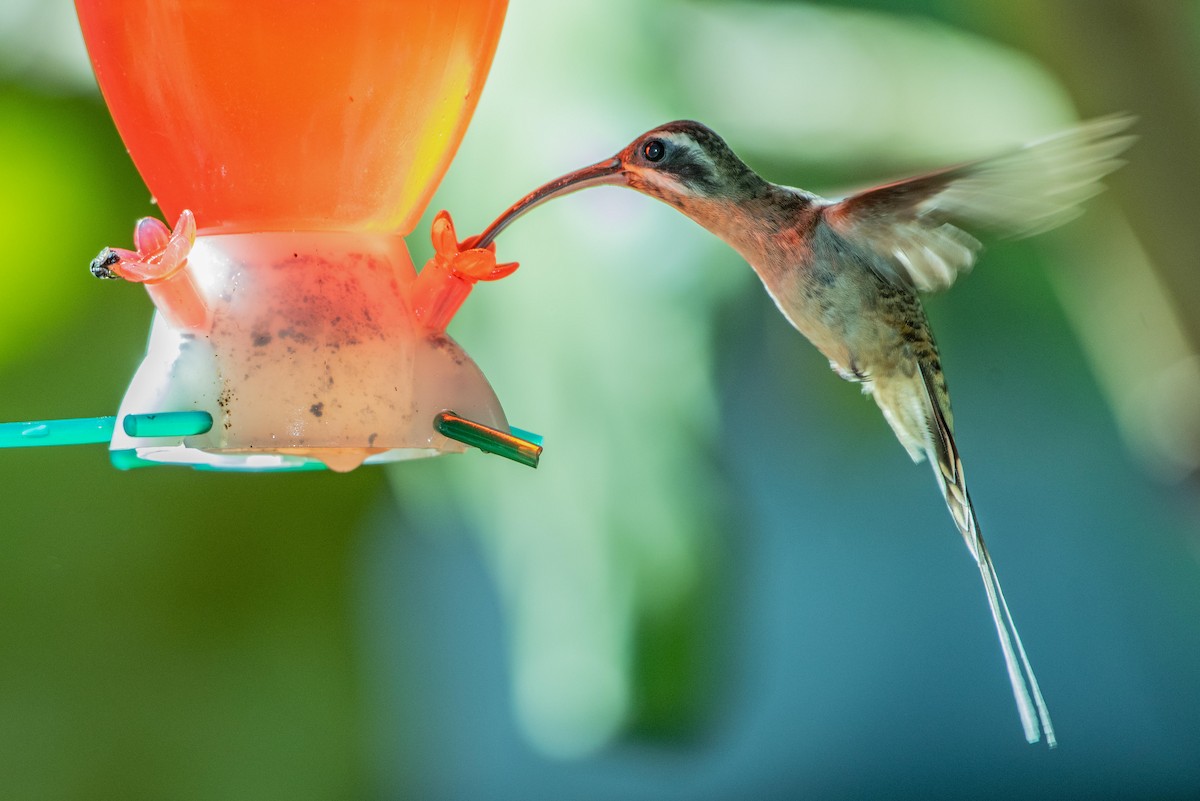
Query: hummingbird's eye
{"x": 654, "y": 150}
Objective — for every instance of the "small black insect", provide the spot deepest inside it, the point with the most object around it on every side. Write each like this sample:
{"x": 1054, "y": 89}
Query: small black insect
{"x": 101, "y": 266}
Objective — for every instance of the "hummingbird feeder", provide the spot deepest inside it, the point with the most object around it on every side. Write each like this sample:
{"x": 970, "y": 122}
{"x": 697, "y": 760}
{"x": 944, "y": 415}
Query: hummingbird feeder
{"x": 294, "y": 145}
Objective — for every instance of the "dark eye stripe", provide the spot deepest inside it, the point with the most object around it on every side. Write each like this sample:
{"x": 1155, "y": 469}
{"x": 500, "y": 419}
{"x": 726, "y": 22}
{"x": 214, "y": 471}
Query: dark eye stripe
{"x": 692, "y": 174}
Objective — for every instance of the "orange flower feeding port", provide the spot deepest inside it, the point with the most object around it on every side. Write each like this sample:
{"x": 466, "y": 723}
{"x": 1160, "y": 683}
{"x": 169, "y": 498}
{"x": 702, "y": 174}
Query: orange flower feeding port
{"x": 296, "y": 143}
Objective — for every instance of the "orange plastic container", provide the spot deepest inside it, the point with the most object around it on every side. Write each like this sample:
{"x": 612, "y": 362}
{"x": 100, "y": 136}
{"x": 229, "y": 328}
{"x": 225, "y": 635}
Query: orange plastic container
{"x": 278, "y": 115}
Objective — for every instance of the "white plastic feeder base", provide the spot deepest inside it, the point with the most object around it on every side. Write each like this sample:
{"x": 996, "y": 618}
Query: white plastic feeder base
{"x": 311, "y": 352}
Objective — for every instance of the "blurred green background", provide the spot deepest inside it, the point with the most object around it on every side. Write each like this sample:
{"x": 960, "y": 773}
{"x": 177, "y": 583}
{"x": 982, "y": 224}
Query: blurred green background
{"x": 726, "y": 580}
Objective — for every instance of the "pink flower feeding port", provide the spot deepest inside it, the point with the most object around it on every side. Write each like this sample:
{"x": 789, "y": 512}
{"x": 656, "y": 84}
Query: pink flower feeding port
{"x": 292, "y": 330}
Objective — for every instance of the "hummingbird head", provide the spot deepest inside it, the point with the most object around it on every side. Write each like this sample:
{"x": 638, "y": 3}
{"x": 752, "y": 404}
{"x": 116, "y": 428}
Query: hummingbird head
{"x": 682, "y": 163}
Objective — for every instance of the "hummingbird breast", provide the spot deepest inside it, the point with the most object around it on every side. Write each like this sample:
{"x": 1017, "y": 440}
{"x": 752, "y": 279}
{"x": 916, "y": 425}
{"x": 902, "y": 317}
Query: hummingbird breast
{"x": 871, "y": 330}
{"x": 832, "y": 293}
{"x": 833, "y": 290}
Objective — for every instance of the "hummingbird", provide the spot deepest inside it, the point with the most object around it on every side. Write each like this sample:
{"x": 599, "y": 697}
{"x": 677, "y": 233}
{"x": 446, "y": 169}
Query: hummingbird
{"x": 847, "y": 274}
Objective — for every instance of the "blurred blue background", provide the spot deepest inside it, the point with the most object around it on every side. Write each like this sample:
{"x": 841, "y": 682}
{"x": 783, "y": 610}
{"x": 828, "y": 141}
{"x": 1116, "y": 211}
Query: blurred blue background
{"x": 726, "y": 580}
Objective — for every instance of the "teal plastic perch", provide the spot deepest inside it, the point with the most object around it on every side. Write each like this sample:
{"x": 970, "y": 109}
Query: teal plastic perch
{"x": 94, "y": 430}
{"x": 45, "y": 433}
{"x": 516, "y": 444}
{"x": 167, "y": 424}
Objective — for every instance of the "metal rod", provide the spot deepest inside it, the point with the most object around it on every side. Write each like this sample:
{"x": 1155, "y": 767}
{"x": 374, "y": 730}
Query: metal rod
{"x": 488, "y": 439}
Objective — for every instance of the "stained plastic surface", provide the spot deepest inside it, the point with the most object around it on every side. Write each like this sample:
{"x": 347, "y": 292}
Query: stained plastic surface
{"x": 295, "y": 143}
{"x": 313, "y": 352}
{"x": 263, "y": 115}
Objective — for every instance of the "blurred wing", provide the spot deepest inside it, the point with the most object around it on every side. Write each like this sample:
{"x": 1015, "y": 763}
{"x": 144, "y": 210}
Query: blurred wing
{"x": 913, "y": 223}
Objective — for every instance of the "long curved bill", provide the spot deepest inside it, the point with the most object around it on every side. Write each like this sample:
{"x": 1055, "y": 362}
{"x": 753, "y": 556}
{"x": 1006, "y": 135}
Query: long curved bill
{"x": 604, "y": 172}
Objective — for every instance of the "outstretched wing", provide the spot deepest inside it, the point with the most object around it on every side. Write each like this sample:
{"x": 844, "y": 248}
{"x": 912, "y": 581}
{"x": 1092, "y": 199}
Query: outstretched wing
{"x": 913, "y": 223}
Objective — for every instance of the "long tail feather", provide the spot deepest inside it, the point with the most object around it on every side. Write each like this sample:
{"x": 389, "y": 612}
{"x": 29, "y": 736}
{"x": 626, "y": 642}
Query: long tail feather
{"x": 947, "y": 467}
